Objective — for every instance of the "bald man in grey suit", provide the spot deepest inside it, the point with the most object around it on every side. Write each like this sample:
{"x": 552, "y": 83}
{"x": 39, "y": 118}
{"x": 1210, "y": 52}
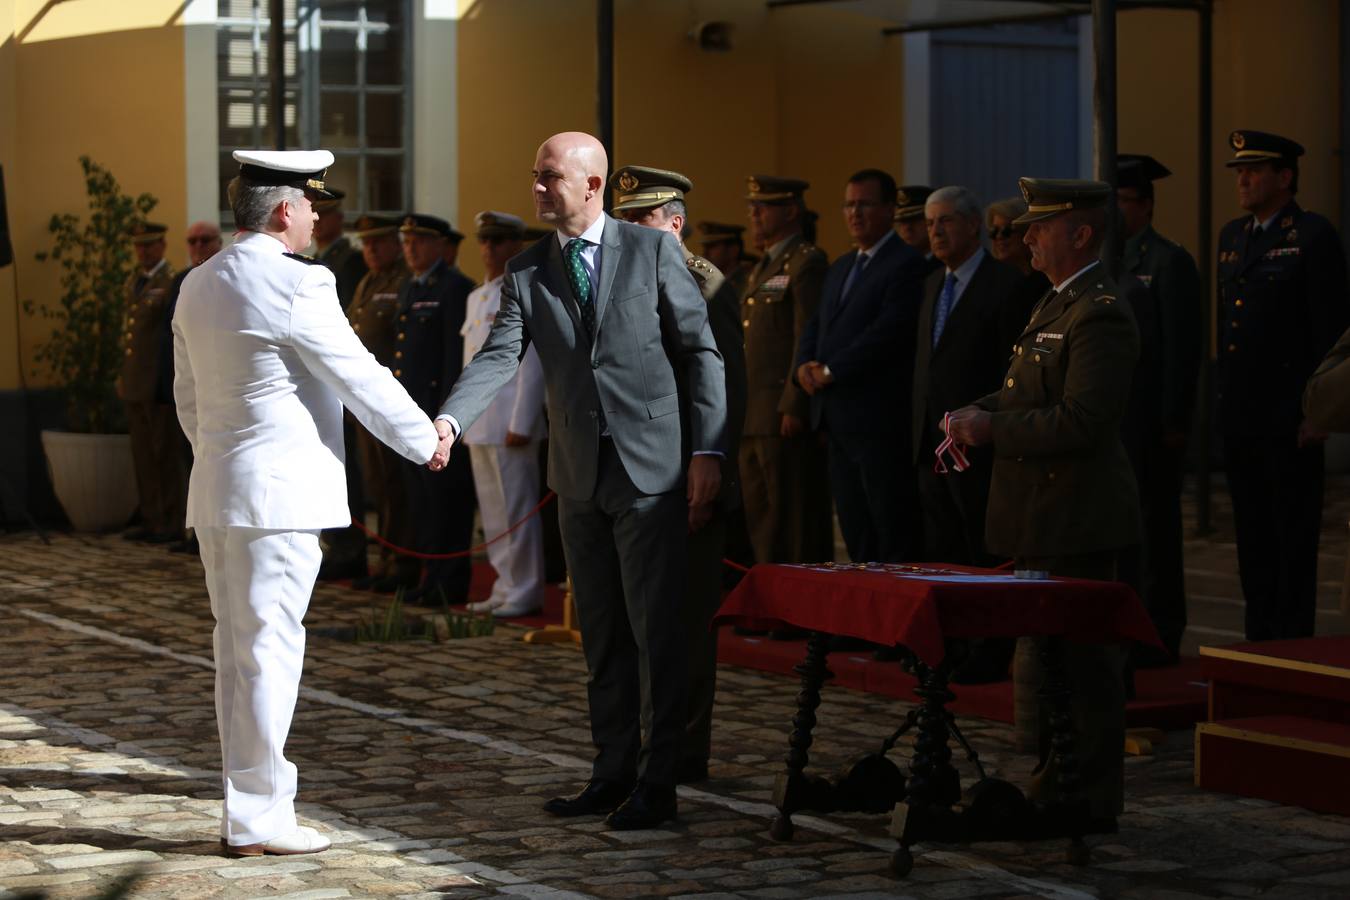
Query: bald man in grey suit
{"x": 618, "y": 322}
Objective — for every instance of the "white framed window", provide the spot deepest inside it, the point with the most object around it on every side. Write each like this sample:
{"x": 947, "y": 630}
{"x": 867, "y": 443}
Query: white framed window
{"x": 346, "y": 70}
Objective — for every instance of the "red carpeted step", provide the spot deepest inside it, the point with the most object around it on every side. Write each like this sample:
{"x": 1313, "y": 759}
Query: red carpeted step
{"x": 1283, "y": 758}
{"x": 1306, "y": 677}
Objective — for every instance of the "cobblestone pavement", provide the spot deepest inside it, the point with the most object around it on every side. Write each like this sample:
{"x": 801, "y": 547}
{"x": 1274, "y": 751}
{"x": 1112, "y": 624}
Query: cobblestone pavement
{"x": 427, "y": 763}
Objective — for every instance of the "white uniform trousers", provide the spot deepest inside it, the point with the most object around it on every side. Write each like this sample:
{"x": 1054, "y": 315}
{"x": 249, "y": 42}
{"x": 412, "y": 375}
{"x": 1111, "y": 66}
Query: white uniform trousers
{"x": 260, "y": 582}
{"x": 507, "y": 482}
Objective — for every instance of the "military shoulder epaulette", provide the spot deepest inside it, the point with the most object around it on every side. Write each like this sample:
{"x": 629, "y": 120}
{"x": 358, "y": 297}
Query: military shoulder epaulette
{"x": 300, "y": 257}
{"x": 1104, "y": 298}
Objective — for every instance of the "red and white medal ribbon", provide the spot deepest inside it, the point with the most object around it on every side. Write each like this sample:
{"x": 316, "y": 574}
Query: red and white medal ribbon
{"x": 950, "y": 448}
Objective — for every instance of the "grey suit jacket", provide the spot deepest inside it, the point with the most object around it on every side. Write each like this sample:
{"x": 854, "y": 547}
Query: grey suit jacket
{"x": 650, "y": 322}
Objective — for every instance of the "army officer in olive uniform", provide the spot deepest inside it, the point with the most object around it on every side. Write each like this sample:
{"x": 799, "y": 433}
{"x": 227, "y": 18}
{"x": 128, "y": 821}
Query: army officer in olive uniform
{"x": 655, "y": 198}
{"x": 156, "y": 440}
{"x": 1063, "y": 497}
{"x": 334, "y": 249}
{"x": 373, "y": 314}
{"x": 428, "y": 355}
{"x": 1168, "y": 273}
{"x": 1282, "y": 302}
{"x": 782, "y": 463}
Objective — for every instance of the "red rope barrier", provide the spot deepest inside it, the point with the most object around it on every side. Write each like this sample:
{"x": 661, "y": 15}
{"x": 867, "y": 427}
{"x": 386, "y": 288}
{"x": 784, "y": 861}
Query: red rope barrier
{"x": 730, "y": 564}
{"x": 458, "y": 554}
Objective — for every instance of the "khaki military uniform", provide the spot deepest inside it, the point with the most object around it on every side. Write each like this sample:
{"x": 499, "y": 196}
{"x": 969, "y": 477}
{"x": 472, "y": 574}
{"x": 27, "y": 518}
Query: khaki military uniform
{"x": 784, "y": 482}
{"x": 373, "y": 314}
{"x": 707, "y": 546}
{"x": 156, "y": 438}
{"x": 1063, "y": 498}
{"x": 348, "y": 267}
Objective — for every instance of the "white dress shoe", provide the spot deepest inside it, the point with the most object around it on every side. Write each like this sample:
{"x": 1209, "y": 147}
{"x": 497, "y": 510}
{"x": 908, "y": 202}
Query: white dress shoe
{"x": 303, "y": 840}
{"x": 481, "y": 606}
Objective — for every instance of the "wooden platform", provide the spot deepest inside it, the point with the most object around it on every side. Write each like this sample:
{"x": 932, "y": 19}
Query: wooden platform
{"x": 1279, "y": 722}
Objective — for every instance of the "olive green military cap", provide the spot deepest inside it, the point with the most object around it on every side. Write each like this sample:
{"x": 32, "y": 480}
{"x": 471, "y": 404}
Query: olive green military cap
{"x": 374, "y": 226}
{"x": 333, "y": 201}
{"x": 1260, "y": 146}
{"x": 909, "y": 201}
{"x": 1050, "y": 197}
{"x": 642, "y": 187}
{"x": 492, "y": 225}
{"x": 772, "y": 189}
{"x": 718, "y": 232}
{"x": 147, "y": 232}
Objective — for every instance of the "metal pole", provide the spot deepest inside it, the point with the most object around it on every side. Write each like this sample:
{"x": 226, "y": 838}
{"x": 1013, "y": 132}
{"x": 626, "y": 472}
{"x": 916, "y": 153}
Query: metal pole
{"x": 1204, "y": 263}
{"x": 604, "y": 80}
{"x": 1343, "y": 151}
{"x": 1104, "y": 119}
{"x": 276, "y": 71}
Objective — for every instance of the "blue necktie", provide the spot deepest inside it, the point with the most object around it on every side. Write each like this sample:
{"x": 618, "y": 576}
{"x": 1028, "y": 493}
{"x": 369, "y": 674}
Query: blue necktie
{"x": 946, "y": 300}
{"x": 859, "y": 263}
{"x": 581, "y": 283}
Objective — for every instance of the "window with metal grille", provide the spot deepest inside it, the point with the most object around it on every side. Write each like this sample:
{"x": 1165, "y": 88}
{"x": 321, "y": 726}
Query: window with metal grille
{"x": 347, "y": 64}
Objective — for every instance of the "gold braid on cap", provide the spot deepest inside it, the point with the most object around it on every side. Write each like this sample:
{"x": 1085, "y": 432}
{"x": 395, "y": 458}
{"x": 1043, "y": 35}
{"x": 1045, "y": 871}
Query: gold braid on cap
{"x": 627, "y": 181}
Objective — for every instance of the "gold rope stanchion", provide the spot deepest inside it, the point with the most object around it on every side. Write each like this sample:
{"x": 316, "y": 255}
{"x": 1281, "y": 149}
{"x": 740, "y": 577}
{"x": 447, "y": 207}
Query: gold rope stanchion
{"x": 559, "y": 634}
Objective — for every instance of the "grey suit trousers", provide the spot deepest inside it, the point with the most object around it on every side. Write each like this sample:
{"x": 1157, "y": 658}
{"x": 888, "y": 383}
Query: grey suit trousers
{"x": 626, "y": 553}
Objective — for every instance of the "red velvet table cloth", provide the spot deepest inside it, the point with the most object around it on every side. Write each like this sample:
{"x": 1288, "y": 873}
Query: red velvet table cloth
{"x": 921, "y": 604}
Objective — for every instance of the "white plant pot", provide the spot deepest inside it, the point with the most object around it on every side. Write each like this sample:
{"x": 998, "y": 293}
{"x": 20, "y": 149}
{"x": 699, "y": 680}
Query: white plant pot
{"x": 93, "y": 477}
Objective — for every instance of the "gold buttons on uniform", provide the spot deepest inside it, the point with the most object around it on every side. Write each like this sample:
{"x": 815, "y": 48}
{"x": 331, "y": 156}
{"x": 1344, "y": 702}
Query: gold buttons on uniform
{"x": 1017, "y": 348}
{"x": 1237, "y": 303}
{"x": 398, "y": 372}
{"x": 1052, "y": 476}
{"x": 128, "y": 351}
{"x": 401, "y": 335}
{"x": 403, "y": 318}
{"x": 1232, "y": 348}
{"x": 746, "y": 323}
{"x": 1234, "y": 323}
{"x": 1036, "y": 358}
{"x": 398, "y": 354}
{"x": 1010, "y": 382}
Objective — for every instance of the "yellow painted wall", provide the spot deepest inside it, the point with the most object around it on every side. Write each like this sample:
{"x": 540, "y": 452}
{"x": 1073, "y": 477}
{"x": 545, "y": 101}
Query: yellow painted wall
{"x": 9, "y": 357}
{"x": 805, "y": 92}
{"x": 96, "y": 78}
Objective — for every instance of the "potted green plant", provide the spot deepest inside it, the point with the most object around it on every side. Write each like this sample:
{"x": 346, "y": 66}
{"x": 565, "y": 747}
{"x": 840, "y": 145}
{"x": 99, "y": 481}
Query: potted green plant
{"x": 90, "y": 464}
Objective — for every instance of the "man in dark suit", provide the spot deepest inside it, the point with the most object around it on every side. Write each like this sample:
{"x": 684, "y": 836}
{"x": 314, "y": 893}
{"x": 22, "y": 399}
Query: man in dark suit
{"x": 966, "y": 330}
{"x": 1282, "y": 303}
{"x": 965, "y": 335}
{"x": 848, "y": 363}
{"x": 428, "y": 354}
{"x": 622, "y": 333}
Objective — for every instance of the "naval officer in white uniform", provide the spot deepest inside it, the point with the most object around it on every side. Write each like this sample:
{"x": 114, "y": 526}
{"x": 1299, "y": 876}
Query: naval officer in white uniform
{"x": 265, "y": 361}
{"x": 504, "y": 442}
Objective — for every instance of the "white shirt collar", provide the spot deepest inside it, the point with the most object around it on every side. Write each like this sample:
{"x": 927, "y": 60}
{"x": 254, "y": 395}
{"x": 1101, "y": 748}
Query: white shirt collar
{"x": 594, "y": 233}
{"x": 1267, "y": 224}
{"x": 966, "y": 270}
{"x": 163, "y": 261}
{"x": 871, "y": 251}
{"x": 1070, "y": 280}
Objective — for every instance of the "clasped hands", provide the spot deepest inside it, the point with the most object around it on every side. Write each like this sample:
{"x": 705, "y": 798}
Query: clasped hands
{"x": 441, "y": 458}
{"x": 446, "y": 436}
{"x": 814, "y": 376}
{"x": 970, "y": 426}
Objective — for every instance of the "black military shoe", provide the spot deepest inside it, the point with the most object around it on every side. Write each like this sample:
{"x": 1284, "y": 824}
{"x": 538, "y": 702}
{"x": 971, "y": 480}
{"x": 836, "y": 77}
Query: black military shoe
{"x": 691, "y": 771}
{"x": 595, "y": 798}
{"x": 648, "y": 806}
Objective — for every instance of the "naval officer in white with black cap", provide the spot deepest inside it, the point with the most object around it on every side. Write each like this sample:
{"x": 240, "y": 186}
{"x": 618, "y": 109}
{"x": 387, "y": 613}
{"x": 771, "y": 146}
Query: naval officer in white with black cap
{"x": 265, "y": 361}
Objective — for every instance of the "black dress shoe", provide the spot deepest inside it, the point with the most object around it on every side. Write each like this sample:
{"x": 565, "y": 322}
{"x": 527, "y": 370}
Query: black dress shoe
{"x": 595, "y": 798}
{"x": 162, "y": 537}
{"x": 333, "y": 569}
{"x": 691, "y": 771}
{"x": 136, "y": 534}
{"x": 648, "y": 806}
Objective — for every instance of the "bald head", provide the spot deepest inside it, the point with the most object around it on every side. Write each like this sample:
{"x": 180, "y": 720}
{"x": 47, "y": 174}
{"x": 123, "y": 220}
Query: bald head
{"x": 569, "y": 180}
